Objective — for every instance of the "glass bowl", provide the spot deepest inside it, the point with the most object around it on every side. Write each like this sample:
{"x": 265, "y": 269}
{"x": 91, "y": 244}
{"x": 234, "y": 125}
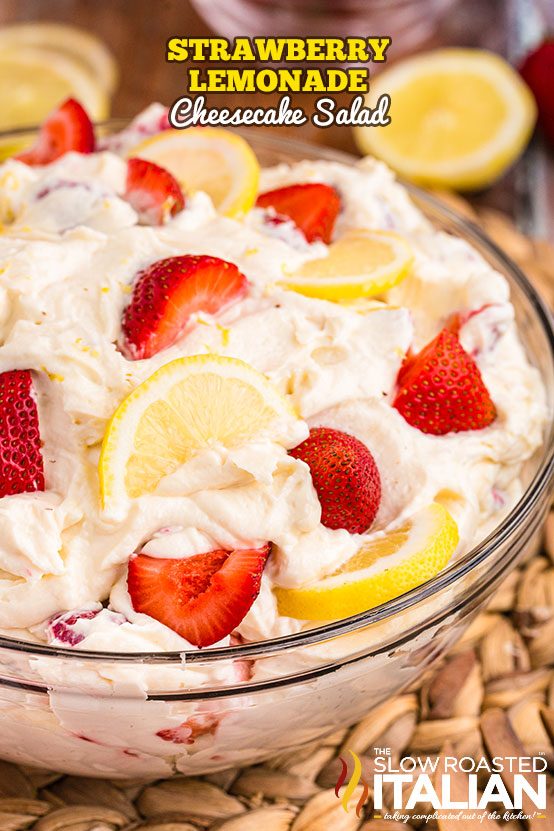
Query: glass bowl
{"x": 158, "y": 714}
{"x": 409, "y": 23}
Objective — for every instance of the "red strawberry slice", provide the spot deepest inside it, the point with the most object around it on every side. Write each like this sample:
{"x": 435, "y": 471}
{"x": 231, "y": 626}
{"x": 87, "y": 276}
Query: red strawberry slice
{"x": 458, "y": 320}
{"x": 440, "y": 390}
{"x": 67, "y": 128}
{"x": 204, "y": 597}
{"x": 537, "y": 71}
{"x": 313, "y": 207}
{"x": 168, "y": 292}
{"x": 345, "y": 477}
{"x": 62, "y": 626}
{"x": 186, "y": 733}
{"x": 21, "y": 465}
{"x": 70, "y": 628}
{"x": 153, "y": 192}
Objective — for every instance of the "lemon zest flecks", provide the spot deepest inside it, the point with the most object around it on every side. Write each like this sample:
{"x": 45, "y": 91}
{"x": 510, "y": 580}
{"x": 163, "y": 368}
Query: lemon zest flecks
{"x": 54, "y": 376}
{"x": 87, "y": 349}
{"x": 225, "y": 334}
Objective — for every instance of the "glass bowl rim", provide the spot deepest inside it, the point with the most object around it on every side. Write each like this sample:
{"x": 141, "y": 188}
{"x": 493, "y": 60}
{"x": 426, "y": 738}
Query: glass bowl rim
{"x": 446, "y": 578}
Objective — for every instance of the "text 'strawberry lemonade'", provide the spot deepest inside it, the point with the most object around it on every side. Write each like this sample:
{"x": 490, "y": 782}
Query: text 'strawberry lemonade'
{"x": 275, "y": 400}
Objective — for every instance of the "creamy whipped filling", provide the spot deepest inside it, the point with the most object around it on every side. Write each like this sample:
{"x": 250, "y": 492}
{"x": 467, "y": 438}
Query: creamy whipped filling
{"x": 69, "y": 252}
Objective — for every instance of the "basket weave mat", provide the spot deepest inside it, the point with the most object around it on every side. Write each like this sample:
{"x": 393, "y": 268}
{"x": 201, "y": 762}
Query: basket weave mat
{"x": 494, "y": 691}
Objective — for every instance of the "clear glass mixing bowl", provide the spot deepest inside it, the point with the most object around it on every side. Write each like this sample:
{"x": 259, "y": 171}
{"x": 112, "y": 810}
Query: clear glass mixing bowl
{"x": 409, "y": 23}
{"x": 156, "y": 714}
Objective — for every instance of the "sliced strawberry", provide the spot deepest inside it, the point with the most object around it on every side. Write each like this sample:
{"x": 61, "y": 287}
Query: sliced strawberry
{"x": 458, "y": 320}
{"x": 168, "y": 292}
{"x": 61, "y": 627}
{"x": 198, "y": 725}
{"x": 204, "y": 597}
{"x": 345, "y": 476}
{"x": 70, "y": 628}
{"x": 153, "y": 192}
{"x": 537, "y": 71}
{"x": 243, "y": 669}
{"x": 67, "y": 128}
{"x": 313, "y": 207}
{"x": 440, "y": 390}
{"x": 21, "y": 465}
{"x": 405, "y": 366}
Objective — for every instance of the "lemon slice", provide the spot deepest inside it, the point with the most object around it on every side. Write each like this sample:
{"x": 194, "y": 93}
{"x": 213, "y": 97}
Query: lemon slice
{"x": 391, "y": 563}
{"x": 360, "y": 264}
{"x": 186, "y": 405}
{"x": 32, "y": 85}
{"x": 84, "y": 48}
{"x": 210, "y": 159}
{"x": 459, "y": 118}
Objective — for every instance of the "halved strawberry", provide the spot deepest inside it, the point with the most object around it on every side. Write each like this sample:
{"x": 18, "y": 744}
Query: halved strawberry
{"x": 168, "y": 292}
{"x": 67, "y": 128}
{"x": 440, "y": 390}
{"x": 313, "y": 207}
{"x": 204, "y": 597}
{"x": 537, "y": 71}
{"x": 21, "y": 465}
{"x": 345, "y": 476}
{"x": 153, "y": 192}
{"x": 459, "y": 319}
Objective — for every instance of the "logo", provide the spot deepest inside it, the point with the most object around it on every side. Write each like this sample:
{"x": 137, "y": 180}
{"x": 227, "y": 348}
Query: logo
{"x": 400, "y": 787}
{"x": 317, "y": 65}
{"x": 355, "y": 780}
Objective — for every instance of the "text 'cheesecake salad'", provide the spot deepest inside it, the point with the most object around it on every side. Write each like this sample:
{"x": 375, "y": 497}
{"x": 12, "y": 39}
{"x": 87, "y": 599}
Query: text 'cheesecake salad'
{"x": 227, "y": 415}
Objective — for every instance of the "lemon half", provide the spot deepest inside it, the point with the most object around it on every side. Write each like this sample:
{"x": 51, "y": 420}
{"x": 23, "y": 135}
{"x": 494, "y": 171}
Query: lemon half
{"x": 33, "y": 84}
{"x": 390, "y": 564}
{"x": 459, "y": 118}
{"x": 209, "y": 159}
{"x": 186, "y": 405}
{"x": 84, "y": 48}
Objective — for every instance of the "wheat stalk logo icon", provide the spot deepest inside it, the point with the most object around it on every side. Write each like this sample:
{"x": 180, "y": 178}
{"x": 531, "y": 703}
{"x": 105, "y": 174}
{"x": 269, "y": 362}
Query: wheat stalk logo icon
{"x": 355, "y": 780}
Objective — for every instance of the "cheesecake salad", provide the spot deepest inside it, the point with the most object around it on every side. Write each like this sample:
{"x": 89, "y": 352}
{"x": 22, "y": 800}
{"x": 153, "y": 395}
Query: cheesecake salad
{"x": 228, "y": 414}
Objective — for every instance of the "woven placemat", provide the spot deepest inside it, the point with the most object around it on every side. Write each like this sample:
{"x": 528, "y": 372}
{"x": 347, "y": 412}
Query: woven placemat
{"x": 493, "y": 693}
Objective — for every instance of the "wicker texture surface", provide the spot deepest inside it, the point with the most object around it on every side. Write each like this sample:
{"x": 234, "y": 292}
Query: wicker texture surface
{"x": 493, "y": 694}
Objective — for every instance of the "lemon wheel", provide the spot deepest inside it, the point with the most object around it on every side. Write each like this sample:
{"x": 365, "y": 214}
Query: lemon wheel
{"x": 208, "y": 159}
{"x": 360, "y": 264}
{"x": 390, "y": 564}
{"x": 186, "y": 405}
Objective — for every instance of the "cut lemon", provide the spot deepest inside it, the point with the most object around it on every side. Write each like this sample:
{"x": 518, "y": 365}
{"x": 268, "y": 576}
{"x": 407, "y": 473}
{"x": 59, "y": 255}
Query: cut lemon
{"x": 84, "y": 48}
{"x": 186, "y": 405}
{"x": 32, "y": 85}
{"x": 392, "y": 563}
{"x": 459, "y": 118}
{"x": 360, "y": 264}
{"x": 209, "y": 159}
